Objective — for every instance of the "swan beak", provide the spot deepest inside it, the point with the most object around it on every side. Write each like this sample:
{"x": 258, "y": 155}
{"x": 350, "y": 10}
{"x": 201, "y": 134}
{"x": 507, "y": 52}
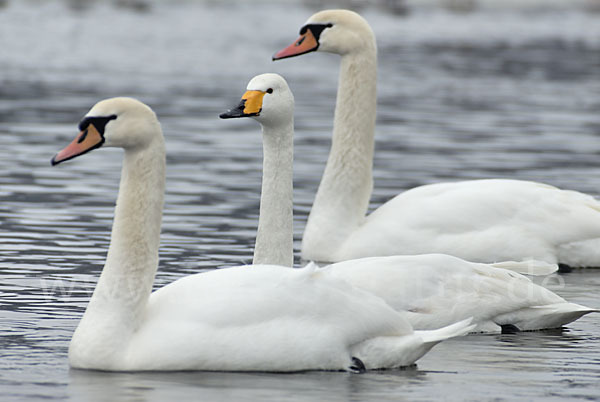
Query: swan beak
{"x": 250, "y": 105}
{"x": 307, "y": 42}
{"x": 87, "y": 140}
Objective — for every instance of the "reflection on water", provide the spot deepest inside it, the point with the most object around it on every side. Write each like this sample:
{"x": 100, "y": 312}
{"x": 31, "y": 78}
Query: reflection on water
{"x": 487, "y": 94}
{"x": 243, "y": 386}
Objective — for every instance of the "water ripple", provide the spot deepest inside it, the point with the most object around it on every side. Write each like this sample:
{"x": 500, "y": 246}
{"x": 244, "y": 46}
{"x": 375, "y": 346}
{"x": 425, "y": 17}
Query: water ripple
{"x": 460, "y": 97}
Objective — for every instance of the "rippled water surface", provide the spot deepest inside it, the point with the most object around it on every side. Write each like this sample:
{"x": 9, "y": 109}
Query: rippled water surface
{"x": 494, "y": 93}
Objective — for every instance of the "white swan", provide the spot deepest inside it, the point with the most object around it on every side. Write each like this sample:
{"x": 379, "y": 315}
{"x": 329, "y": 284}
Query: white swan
{"x": 265, "y": 318}
{"x": 479, "y": 220}
{"x": 430, "y": 290}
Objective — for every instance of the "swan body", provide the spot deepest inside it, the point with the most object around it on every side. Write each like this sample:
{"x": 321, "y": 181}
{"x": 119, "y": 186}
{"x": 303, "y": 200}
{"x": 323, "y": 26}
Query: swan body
{"x": 479, "y": 220}
{"x": 257, "y": 318}
{"x": 263, "y": 318}
{"x": 432, "y": 290}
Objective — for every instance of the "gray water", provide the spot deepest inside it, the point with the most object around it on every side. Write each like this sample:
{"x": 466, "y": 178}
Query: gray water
{"x": 494, "y": 93}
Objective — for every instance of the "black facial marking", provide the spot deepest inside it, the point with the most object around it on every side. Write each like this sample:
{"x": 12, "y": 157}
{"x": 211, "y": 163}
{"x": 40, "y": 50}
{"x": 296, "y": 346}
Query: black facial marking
{"x": 98, "y": 122}
{"x": 316, "y": 29}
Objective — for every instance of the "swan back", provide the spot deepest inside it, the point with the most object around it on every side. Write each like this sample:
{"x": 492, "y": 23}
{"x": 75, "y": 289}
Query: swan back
{"x": 438, "y": 289}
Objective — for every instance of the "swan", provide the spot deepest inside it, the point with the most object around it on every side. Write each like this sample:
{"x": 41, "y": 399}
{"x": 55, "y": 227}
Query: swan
{"x": 430, "y": 290}
{"x": 234, "y": 319}
{"x": 477, "y": 220}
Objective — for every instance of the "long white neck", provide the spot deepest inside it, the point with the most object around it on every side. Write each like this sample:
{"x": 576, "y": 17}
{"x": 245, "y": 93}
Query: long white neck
{"x": 274, "y": 240}
{"x": 343, "y": 196}
{"x": 121, "y": 295}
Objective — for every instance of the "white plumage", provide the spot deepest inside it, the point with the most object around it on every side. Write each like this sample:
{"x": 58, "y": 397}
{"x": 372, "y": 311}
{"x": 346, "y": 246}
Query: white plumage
{"x": 430, "y": 290}
{"x": 480, "y": 220}
{"x": 259, "y": 318}
{"x": 434, "y": 290}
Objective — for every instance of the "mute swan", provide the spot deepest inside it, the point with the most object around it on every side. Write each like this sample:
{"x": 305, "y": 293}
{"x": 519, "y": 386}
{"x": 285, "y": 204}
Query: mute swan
{"x": 478, "y": 220}
{"x": 430, "y": 290}
{"x": 260, "y": 319}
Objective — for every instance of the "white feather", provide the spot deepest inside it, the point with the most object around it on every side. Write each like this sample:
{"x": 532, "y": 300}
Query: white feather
{"x": 432, "y": 290}
{"x": 259, "y": 318}
{"x": 481, "y": 220}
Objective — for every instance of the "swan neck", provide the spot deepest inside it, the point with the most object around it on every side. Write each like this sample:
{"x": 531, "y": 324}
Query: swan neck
{"x": 274, "y": 239}
{"x": 126, "y": 281}
{"x": 343, "y": 196}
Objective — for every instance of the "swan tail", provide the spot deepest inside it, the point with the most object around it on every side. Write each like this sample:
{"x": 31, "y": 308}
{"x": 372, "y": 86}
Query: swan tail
{"x": 528, "y": 267}
{"x": 402, "y": 351}
{"x": 545, "y": 317}
{"x": 435, "y": 336}
{"x": 580, "y": 254}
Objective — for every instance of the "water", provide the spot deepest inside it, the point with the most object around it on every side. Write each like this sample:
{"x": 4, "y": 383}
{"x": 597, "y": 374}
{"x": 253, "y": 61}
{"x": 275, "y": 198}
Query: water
{"x": 496, "y": 93}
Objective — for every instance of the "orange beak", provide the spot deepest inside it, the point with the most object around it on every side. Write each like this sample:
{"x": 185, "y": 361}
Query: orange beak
{"x": 304, "y": 44}
{"x": 87, "y": 140}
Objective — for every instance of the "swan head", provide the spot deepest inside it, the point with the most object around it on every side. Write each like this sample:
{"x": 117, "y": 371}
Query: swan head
{"x": 267, "y": 99}
{"x": 117, "y": 122}
{"x": 334, "y": 31}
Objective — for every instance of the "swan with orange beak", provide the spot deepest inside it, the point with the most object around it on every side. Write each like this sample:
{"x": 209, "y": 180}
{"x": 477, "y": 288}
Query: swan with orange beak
{"x": 91, "y": 136}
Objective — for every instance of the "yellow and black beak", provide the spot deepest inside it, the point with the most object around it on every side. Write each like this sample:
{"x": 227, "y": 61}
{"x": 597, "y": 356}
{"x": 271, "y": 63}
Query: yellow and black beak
{"x": 250, "y": 105}
{"x": 307, "y": 42}
{"x": 88, "y": 139}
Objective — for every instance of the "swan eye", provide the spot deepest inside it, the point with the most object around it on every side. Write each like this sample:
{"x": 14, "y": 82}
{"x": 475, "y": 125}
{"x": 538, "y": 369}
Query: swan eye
{"x": 270, "y": 90}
